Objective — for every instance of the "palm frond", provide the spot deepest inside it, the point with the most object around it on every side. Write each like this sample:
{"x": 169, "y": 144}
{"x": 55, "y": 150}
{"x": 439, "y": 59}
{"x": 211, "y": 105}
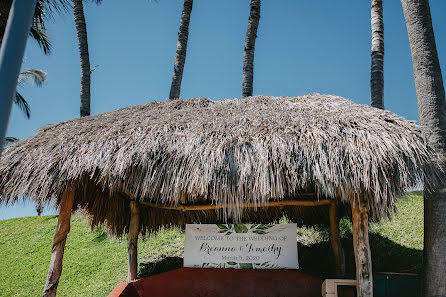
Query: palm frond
{"x": 22, "y": 104}
{"x": 36, "y": 77}
{"x": 37, "y": 32}
{"x": 9, "y": 140}
{"x": 45, "y": 9}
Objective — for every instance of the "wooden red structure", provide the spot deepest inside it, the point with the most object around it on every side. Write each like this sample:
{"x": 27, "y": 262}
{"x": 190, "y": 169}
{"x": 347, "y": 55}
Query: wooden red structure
{"x": 216, "y": 282}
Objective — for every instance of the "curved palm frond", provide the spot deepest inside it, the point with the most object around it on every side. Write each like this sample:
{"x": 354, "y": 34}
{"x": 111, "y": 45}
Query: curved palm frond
{"x": 22, "y": 104}
{"x": 45, "y": 9}
{"x": 9, "y": 140}
{"x": 36, "y": 77}
{"x": 38, "y": 33}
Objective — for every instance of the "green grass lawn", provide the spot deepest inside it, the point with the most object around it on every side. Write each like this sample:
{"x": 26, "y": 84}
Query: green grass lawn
{"x": 95, "y": 263}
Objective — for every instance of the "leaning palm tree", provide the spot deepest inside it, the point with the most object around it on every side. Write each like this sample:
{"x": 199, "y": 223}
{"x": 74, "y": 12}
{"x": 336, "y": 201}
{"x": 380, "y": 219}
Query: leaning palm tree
{"x": 432, "y": 113}
{"x": 377, "y": 72}
{"x": 250, "y": 41}
{"x": 180, "y": 55}
{"x": 44, "y": 10}
{"x": 84, "y": 56}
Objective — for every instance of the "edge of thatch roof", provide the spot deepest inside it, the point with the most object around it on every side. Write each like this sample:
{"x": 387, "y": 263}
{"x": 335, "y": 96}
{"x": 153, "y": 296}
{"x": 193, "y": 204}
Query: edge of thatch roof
{"x": 231, "y": 151}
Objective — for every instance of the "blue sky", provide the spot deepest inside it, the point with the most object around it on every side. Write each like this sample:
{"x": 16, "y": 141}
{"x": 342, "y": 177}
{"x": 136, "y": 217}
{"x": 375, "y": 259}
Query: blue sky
{"x": 302, "y": 46}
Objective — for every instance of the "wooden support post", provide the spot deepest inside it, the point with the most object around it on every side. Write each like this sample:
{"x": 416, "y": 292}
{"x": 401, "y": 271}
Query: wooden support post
{"x": 59, "y": 240}
{"x": 361, "y": 246}
{"x": 133, "y": 241}
{"x": 182, "y": 215}
{"x": 335, "y": 239}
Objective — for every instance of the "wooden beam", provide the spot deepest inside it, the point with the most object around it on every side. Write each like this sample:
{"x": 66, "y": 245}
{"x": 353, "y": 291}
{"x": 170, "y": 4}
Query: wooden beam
{"x": 58, "y": 246}
{"x": 335, "y": 239}
{"x": 133, "y": 241}
{"x": 361, "y": 246}
{"x": 244, "y": 205}
{"x": 183, "y": 207}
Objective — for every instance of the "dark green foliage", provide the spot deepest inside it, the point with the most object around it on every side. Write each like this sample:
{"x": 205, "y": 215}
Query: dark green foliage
{"x": 240, "y": 228}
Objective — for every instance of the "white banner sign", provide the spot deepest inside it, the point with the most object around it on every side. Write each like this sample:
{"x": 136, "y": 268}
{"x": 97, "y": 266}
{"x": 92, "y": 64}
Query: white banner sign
{"x": 258, "y": 246}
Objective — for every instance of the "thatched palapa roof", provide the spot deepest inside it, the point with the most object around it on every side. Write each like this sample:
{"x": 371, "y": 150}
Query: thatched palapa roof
{"x": 234, "y": 151}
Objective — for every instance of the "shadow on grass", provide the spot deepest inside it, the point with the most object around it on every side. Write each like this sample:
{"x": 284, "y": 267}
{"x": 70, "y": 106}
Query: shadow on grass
{"x": 48, "y": 218}
{"x": 100, "y": 235}
{"x": 387, "y": 256}
{"x": 317, "y": 259}
{"x": 152, "y": 268}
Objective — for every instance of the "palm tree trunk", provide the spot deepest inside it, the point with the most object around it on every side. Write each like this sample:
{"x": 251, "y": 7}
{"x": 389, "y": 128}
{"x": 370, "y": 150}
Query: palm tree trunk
{"x": 81, "y": 30}
{"x": 5, "y": 6}
{"x": 180, "y": 55}
{"x": 250, "y": 42}
{"x": 39, "y": 208}
{"x": 377, "y": 72}
{"x": 432, "y": 113}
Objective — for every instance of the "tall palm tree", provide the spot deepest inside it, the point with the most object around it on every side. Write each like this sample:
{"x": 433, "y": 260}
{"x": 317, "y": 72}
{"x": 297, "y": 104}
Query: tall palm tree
{"x": 432, "y": 113}
{"x": 35, "y": 77}
{"x": 84, "y": 56}
{"x": 377, "y": 65}
{"x": 39, "y": 207}
{"x": 180, "y": 55}
{"x": 250, "y": 42}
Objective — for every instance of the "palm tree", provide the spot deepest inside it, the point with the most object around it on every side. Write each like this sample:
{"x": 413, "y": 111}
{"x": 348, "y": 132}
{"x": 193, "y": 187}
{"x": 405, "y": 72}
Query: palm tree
{"x": 250, "y": 42}
{"x": 44, "y": 9}
{"x": 38, "y": 33}
{"x": 180, "y": 55}
{"x": 32, "y": 76}
{"x": 39, "y": 207}
{"x": 377, "y": 73}
{"x": 84, "y": 56}
{"x": 432, "y": 113}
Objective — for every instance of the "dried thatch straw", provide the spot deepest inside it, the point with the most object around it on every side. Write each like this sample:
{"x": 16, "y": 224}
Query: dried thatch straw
{"x": 232, "y": 151}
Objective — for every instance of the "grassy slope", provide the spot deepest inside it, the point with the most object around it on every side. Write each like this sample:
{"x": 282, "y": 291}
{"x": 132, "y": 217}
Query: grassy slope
{"x": 94, "y": 263}
{"x": 396, "y": 245}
